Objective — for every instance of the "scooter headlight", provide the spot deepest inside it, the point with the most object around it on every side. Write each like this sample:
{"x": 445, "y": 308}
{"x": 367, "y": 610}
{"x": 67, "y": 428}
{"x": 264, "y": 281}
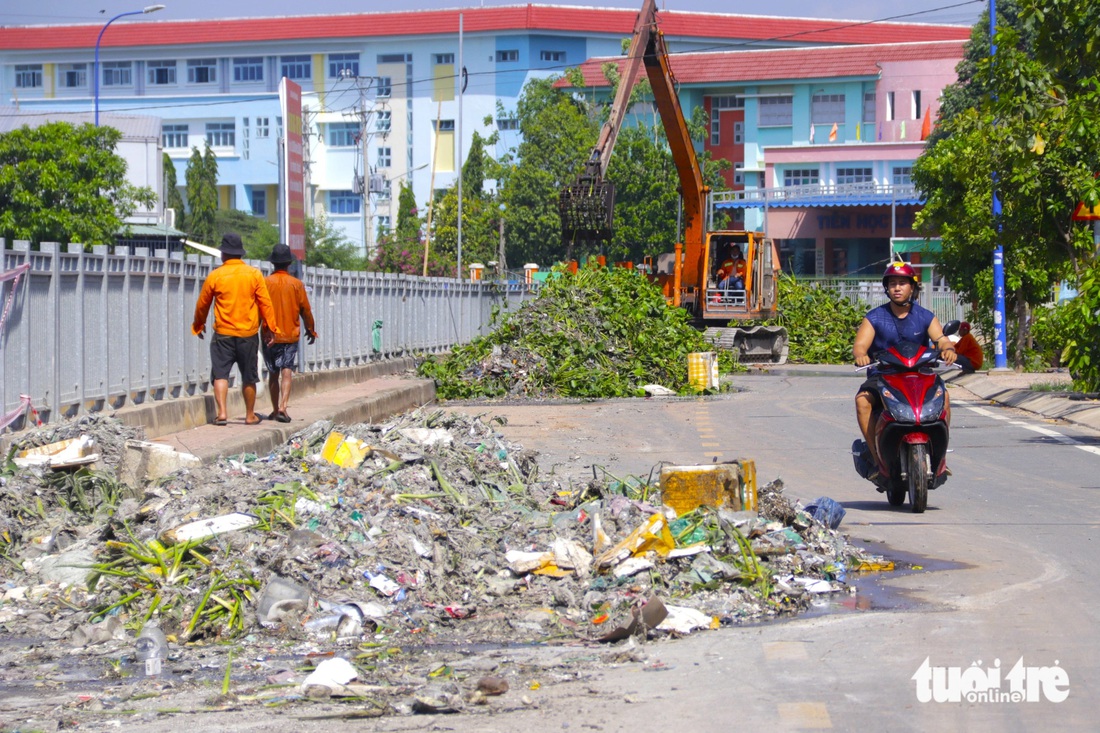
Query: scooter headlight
{"x": 899, "y": 409}
{"x": 933, "y": 407}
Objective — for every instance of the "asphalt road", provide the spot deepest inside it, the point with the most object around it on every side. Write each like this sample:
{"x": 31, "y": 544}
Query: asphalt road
{"x": 1006, "y": 598}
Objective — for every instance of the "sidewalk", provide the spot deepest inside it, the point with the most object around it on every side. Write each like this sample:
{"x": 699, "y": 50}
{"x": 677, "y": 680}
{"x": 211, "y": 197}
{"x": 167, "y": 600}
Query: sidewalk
{"x": 347, "y": 396}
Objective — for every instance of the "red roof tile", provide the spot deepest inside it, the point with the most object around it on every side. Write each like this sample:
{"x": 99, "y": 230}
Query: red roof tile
{"x": 787, "y": 63}
{"x": 532, "y": 18}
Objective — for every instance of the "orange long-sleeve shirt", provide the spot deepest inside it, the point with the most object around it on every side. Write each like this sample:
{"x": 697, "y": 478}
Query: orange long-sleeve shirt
{"x": 288, "y": 295}
{"x": 239, "y": 295}
{"x": 969, "y": 347}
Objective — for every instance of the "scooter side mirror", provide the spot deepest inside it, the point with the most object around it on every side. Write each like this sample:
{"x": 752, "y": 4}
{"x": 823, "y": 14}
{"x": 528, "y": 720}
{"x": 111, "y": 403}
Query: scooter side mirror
{"x": 951, "y": 328}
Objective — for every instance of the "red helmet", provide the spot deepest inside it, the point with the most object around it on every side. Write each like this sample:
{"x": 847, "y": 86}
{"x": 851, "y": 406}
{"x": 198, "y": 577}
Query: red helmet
{"x": 964, "y": 328}
{"x": 902, "y": 269}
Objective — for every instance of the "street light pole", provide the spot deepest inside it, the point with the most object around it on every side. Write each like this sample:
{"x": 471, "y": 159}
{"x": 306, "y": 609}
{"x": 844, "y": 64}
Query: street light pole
{"x": 1000, "y": 320}
{"x": 95, "y": 66}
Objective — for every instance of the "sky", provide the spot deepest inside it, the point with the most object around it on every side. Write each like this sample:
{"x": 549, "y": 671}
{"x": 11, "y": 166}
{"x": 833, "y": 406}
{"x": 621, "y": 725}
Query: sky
{"x": 31, "y": 12}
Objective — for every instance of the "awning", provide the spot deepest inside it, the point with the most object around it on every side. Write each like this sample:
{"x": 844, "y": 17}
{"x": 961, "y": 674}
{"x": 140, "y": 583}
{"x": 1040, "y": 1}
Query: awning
{"x": 905, "y": 245}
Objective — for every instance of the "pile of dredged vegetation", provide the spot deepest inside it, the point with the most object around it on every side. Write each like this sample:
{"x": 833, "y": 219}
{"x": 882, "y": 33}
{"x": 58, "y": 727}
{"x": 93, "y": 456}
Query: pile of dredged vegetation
{"x": 595, "y": 333}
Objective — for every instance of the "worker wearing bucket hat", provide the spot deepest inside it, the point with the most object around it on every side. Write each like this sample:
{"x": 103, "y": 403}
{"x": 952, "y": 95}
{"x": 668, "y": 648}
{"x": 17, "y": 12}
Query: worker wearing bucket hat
{"x": 239, "y": 296}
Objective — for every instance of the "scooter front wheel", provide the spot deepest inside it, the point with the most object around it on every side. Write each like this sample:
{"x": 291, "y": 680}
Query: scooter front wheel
{"x": 918, "y": 477}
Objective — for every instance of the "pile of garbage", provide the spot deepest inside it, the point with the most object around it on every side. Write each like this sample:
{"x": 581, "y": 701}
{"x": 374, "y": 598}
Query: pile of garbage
{"x": 596, "y": 333}
{"x": 390, "y": 542}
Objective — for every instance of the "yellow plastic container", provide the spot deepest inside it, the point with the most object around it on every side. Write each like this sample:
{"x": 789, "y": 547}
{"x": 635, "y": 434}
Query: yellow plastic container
{"x": 703, "y": 370}
{"x": 729, "y": 485}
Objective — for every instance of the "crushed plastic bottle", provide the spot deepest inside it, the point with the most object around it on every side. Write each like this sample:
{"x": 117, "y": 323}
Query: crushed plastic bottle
{"x": 152, "y": 649}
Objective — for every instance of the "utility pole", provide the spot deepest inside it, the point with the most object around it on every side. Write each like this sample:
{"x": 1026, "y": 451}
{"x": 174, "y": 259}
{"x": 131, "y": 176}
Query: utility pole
{"x": 364, "y": 84}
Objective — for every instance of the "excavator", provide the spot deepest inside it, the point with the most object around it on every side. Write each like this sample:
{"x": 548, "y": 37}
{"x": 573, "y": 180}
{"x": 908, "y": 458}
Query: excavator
{"x": 689, "y": 275}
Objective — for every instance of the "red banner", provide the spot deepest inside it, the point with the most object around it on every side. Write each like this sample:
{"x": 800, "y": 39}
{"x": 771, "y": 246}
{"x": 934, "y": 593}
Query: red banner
{"x": 293, "y": 193}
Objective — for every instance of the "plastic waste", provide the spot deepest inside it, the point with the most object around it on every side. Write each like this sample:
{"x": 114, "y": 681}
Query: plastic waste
{"x": 152, "y": 649}
{"x": 825, "y": 510}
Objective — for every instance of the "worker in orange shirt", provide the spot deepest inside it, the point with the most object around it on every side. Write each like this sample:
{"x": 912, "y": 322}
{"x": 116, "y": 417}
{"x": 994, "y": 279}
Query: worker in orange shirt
{"x": 239, "y": 296}
{"x": 288, "y": 295}
{"x": 968, "y": 349}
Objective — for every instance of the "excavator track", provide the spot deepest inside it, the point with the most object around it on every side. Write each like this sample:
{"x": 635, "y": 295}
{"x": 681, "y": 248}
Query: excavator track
{"x": 753, "y": 345}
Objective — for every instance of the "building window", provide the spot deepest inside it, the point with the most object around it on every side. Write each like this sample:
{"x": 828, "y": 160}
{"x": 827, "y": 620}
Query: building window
{"x": 248, "y": 68}
{"x": 221, "y": 134}
{"x": 444, "y": 125}
{"x": 854, "y": 175}
{"x": 726, "y": 101}
{"x": 343, "y": 134}
{"x": 343, "y": 65}
{"x": 28, "y": 76}
{"x": 343, "y": 202}
{"x": 74, "y": 76}
{"x": 383, "y": 120}
{"x": 202, "y": 71}
{"x": 159, "y": 73}
{"x": 509, "y": 55}
{"x": 507, "y": 123}
{"x": 117, "y": 74}
{"x": 557, "y": 57}
{"x": 869, "y": 100}
{"x": 175, "y": 136}
{"x": 825, "y": 109}
{"x": 889, "y": 106}
{"x": 246, "y": 144}
{"x": 917, "y": 109}
{"x": 903, "y": 175}
{"x": 739, "y": 174}
{"x": 715, "y": 127}
{"x": 383, "y": 191}
{"x": 385, "y": 86}
{"x": 295, "y": 68}
{"x": 776, "y": 111}
{"x": 738, "y": 133}
{"x": 801, "y": 177}
{"x": 279, "y": 127}
{"x": 385, "y": 157}
{"x": 259, "y": 202}
{"x": 441, "y": 59}
{"x": 263, "y": 127}
{"x": 384, "y": 224}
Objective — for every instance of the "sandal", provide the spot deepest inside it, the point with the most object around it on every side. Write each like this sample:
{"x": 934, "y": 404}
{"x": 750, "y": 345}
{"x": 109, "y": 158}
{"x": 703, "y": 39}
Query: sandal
{"x": 221, "y": 421}
{"x": 259, "y": 419}
{"x": 282, "y": 417}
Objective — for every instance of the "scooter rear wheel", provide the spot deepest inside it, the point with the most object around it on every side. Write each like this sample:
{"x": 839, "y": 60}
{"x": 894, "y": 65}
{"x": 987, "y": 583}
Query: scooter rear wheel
{"x": 918, "y": 477}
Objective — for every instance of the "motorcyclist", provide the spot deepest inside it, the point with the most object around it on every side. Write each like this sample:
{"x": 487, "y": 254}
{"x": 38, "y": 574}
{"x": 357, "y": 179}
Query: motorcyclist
{"x": 899, "y": 319}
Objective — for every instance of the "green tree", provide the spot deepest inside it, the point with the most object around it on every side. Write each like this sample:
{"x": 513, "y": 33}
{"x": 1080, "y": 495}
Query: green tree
{"x": 558, "y": 131}
{"x": 202, "y": 196}
{"x": 1035, "y": 132}
{"x": 480, "y": 214}
{"x": 327, "y": 246}
{"x": 258, "y": 235}
{"x": 172, "y": 197}
{"x": 402, "y": 250}
{"x": 60, "y": 183}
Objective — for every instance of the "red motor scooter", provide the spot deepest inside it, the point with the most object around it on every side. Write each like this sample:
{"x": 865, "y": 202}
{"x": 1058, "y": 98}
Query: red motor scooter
{"x": 910, "y": 420}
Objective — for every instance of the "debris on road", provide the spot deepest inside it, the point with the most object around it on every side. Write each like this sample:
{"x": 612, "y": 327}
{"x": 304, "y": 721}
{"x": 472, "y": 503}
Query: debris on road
{"x": 598, "y": 332}
{"x": 443, "y": 537}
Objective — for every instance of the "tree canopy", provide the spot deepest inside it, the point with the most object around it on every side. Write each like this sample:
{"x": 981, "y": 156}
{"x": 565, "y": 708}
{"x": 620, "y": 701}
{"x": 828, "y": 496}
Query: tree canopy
{"x": 1024, "y": 117}
{"x": 65, "y": 183}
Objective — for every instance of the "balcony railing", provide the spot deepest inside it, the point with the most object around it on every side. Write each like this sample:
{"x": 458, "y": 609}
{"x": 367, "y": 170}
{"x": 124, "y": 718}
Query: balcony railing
{"x": 836, "y": 194}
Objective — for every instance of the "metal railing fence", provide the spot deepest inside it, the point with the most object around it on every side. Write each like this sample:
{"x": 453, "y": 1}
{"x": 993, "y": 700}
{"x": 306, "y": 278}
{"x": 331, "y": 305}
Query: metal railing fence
{"x": 940, "y": 299}
{"x": 87, "y": 331}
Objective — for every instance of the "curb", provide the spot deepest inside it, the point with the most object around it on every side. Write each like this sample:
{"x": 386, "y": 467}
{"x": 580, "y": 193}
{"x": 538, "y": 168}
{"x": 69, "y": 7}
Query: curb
{"x": 174, "y": 416}
{"x": 1080, "y": 412}
{"x": 380, "y": 405}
